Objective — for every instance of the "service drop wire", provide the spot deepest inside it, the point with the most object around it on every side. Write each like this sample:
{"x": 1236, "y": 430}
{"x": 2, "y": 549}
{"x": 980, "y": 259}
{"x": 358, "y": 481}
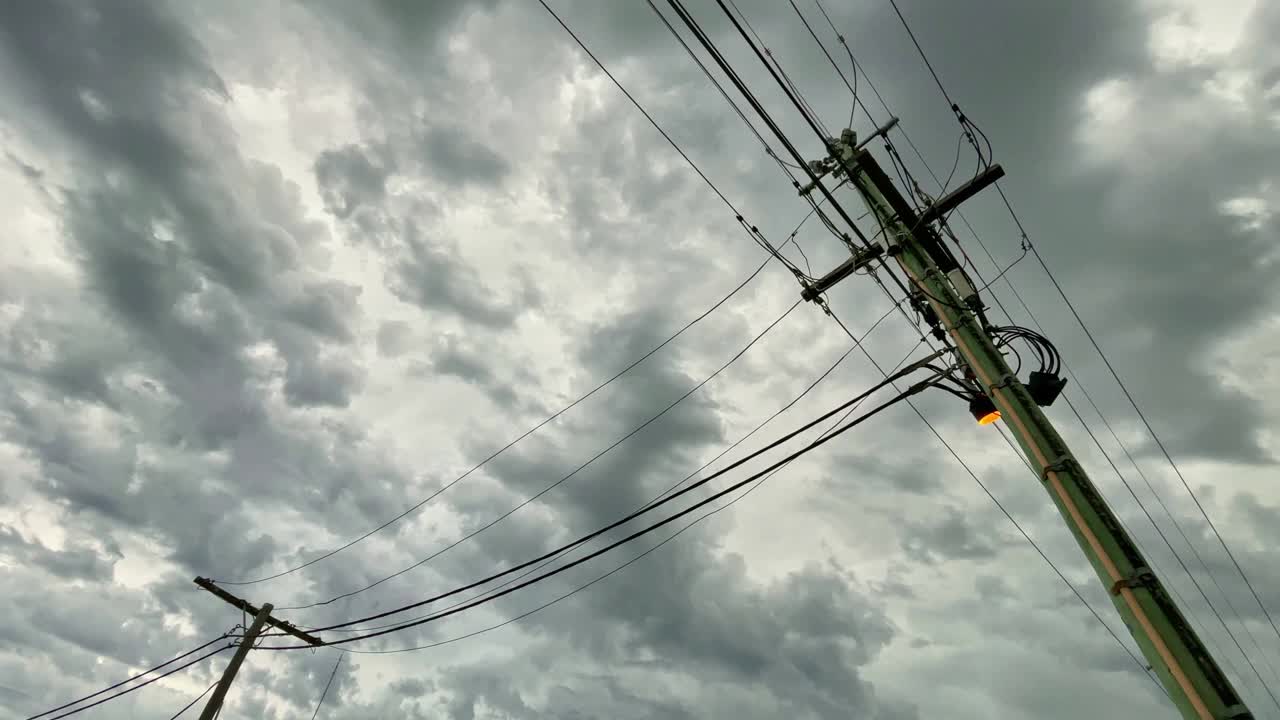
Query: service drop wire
{"x": 843, "y": 406}
{"x": 527, "y": 501}
{"x": 130, "y": 679}
{"x": 916, "y": 388}
{"x": 670, "y": 489}
{"x": 509, "y": 445}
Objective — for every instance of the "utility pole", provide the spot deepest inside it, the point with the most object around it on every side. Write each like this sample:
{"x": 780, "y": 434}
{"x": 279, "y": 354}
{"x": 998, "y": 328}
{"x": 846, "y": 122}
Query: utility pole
{"x": 228, "y": 675}
{"x": 261, "y": 617}
{"x": 1193, "y": 679}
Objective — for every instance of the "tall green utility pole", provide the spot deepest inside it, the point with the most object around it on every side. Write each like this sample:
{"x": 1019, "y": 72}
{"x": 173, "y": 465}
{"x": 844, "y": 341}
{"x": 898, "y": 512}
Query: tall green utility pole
{"x": 1195, "y": 683}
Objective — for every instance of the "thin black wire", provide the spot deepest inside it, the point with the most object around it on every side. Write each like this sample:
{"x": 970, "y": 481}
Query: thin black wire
{"x": 768, "y": 149}
{"x": 668, "y": 539}
{"x": 691, "y": 475}
{"x": 193, "y": 702}
{"x": 326, "y": 688}
{"x": 571, "y": 474}
{"x": 1098, "y": 348}
{"x": 141, "y": 685}
{"x": 853, "y": 88}
{"x": 918, "y": 387}
{"x": 618, "y": 523}
{"x": 128, "y": 680}
{"x": 969, "y": 126}
{"x": 1010, "y": 517}
{"x": 1142, "y": 416}
{"x": 923, "y": 418}
{"x": 1213, "y": 578}
{"x": 512, "y": 443}
{"x": 919, "y": 49}
{"x": 808, "y": 107}
{"x": 710, "y": 47}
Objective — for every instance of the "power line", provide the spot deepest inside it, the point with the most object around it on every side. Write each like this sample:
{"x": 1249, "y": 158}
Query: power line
{"x": 700, "y": 469}
{"x": 566, "y": 477}
{"x": 651, "y": 549}
{"x": 130, "y": 679}
{"x": 326, "y": 687}
{"x": 194, "y": 701}
{"x": 738, "y": 215}
{"x": 632, "y": 516}
{"x": 515, "y": 441}
{"x": 1142, "y": 416}
{"x": 918, "y": 387}
{"x": 141, "y": 685}
{"x": 1155, "y": 436}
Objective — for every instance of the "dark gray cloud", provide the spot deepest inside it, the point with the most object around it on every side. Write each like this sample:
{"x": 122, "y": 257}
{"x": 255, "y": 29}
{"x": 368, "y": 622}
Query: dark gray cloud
{"x": 468, "y": 363}
{"x": 457, "y": 159}
{"x": 393, "y": 338}
{"x": 948, "y": 535}
{"x": 185, "y": 391}
{"x": 73, "y": 563}
{"x": 429, "y": 276}
{"x": 352, "y": 176}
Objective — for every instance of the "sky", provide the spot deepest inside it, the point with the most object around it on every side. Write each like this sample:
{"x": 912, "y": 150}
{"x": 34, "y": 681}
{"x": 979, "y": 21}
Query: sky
{"x": 275, "y": 272}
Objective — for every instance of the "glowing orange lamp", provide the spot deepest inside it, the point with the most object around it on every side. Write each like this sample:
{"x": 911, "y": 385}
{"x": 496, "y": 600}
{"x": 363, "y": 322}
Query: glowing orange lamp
{"x": 983, "y": 410}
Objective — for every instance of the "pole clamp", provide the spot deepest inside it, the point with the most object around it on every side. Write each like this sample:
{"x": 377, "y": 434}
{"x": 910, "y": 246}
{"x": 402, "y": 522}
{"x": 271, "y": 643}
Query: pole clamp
{"x": 1140, "y": 577}
{"x": 1236, "y": 712}
{"x": 1059, "y": 464}
{"x": 1006, "y": 380}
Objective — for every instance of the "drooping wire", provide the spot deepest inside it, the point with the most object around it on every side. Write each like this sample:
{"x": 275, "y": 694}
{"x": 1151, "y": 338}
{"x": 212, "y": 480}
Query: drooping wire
{"x": 1142, "y": 416}
{"x": 514, "y": 441}
{"x": 140, "y": 685}
{"x": 191, "y": 704}
{"x": 730, "y": 448}
{"x": 563, "y": 479}
{"x": 807, "y": 106}
{"x": 970, "y": 127}
{"x": 130, "y": 679}
{"x": 586, "y": 538}
{"x": 853, "y": 87}
{"x": 653, "y": 548}
{"x": 326, "y": 687}
{"x": 916, "y": 388}
{"x": 1014, "y": 522}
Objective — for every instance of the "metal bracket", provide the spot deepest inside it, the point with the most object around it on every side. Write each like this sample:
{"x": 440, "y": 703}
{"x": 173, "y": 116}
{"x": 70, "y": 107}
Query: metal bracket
{"x": 1005, "y": 381}
{"x": 1140, "y": 577}
{"x": 1062, "y": 462}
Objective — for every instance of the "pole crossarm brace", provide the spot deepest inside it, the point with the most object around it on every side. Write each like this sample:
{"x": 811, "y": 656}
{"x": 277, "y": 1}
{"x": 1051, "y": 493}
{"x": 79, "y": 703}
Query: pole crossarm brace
{"x": 1194, "y": 681}
{"x": 244, "y": 605}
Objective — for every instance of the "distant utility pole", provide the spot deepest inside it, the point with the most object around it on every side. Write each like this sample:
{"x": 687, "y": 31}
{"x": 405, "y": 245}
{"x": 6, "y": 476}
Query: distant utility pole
{"x": 261, "y": 618}
{"x": 1195, "y": 683}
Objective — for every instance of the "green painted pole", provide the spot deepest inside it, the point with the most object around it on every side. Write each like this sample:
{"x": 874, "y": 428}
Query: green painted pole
{"x": 1195, "y": 683}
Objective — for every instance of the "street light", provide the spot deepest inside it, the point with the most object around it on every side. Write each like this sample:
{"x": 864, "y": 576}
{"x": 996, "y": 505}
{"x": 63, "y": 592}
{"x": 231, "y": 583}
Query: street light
{"x": 983, "y": 410}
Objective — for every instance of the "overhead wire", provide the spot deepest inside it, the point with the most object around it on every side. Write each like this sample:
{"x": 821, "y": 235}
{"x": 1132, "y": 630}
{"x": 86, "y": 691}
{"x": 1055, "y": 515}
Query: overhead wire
{"x": 970, "y": 127}
{"x": 666, "y": 540}
{"x": 131, "y": 678}
{"x": 329, "y": 682}
{"x": 799, "y": 159}
{"x": 141, "y": 685}
{"x": 896, "y": 159}
{"x": 915, "y": 388}
{"x": 728, "y": 449}
{"x": 1018, "y": 526}
{"x": 586, "y": 538}
{"x": 191, "y": 704}
{"x": 580, "y": 399}
{"x": 807, "y": 106}
{"x": 571, "y": 474}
